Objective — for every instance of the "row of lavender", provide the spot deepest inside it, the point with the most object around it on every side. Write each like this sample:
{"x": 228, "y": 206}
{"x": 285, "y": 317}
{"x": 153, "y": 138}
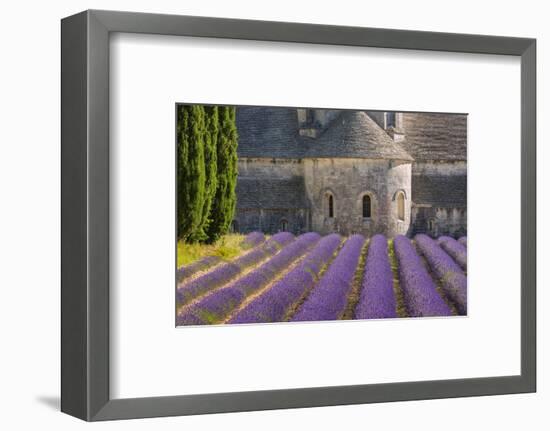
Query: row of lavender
{"x": 450, "y": 275}
{"x": 311, "y": 278}
{"x": 185, "y": 272}
{"x": 216, "y": 307}
{"x": 222, "y": 274}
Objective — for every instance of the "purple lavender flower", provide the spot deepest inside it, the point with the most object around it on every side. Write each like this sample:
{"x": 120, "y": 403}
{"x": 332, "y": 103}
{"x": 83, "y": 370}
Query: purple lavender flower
{"x": 270, "y": 247}
{"x": 419, "y": 291}
{"x": 211, "y": 309}
{"x": 203, "y": 264}
{"x": 328, "y": 299}
{"x": 214, "y": 308}
{"x": 453, "y": 280}
{"x": 222, "y": 274}
{"x": 252, "y": 240}
{"x": 275, "y": 303}
{"x": 377, "y": 299}
{"x": 454, "y": 249}
{"x": 464, "y": 241}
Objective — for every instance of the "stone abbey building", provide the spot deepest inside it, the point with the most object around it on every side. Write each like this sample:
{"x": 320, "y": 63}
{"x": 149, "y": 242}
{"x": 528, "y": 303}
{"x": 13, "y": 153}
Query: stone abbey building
{"x": 350, "y": 172}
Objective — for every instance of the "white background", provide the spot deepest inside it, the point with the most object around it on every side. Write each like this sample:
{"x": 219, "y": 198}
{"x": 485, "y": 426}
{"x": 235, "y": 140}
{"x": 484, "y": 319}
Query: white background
{"x": 151, "y": 358}
{"x": 29, "y": 222}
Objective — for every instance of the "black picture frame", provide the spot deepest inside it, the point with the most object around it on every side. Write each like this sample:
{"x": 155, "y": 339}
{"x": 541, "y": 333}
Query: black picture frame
{"x": 85, "y": 214}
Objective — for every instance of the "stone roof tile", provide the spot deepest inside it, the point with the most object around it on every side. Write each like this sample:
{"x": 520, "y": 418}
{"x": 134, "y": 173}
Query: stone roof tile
{"x": 355, "y": 134}
{"x": 273, "y": 132}
{"x": 435, "y": 136}
{"x": 271, "y": 193}
{"x": 439, "y": 190}
{"x": 268, "y": 132}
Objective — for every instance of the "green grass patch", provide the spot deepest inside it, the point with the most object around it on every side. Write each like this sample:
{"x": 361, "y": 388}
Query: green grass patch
{"x": 227, "y": 247}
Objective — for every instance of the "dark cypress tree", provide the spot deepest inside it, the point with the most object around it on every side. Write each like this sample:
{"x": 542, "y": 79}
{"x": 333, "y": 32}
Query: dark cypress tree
{"x": 225, "y": 200}
{"x": 210, "y": 170}
{"x": 191, "y": 176}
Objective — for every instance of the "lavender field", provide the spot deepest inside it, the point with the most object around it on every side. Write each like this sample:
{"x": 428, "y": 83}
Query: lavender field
{"x": 313, "y": 278}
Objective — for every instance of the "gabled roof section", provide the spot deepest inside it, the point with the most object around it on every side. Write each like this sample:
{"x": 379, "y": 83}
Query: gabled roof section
{"x": 272, "y": 132}
{"x": 354, "y": 134}
{"x": 435, "y": 136}
{"x": 268, "y": 132}
{"x": 271, "y": 193}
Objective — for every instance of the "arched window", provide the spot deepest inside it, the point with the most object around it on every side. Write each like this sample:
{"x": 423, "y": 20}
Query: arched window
{"x": 330, "y": 205}
{"x": 366, "y": 206}
{"x": 284, "y": 225}
{"x": 401, "y": 206}
{"x": 431, "y": 225}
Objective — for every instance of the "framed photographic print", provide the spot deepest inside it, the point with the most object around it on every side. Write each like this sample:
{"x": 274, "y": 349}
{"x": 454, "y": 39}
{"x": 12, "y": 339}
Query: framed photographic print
{"x": 264, "y": 215}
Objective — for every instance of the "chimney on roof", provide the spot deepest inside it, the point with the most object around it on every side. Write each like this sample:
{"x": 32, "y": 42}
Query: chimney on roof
{"x": 391, "y": 122}
{"x": 307, "y": 123}
{"x": 312, "y": 122}
{"x": 393, "y": 125}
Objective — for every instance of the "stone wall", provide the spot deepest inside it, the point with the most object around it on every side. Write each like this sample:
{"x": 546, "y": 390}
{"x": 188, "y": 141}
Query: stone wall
{"x": 275, "y": 210}
{"x": 348, "y": 180}
{"x": 270, "y": 168}
{"x": 379, "y": 117}
{"x": 441, "y": 210}
{"x": 440, "y": 168}
{"x": 436, "y": 221}
{"x": 271, "y": 220}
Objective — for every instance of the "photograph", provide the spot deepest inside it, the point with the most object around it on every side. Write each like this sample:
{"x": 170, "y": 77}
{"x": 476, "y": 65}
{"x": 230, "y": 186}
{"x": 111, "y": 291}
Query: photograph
{"x": 304, "y": 214}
